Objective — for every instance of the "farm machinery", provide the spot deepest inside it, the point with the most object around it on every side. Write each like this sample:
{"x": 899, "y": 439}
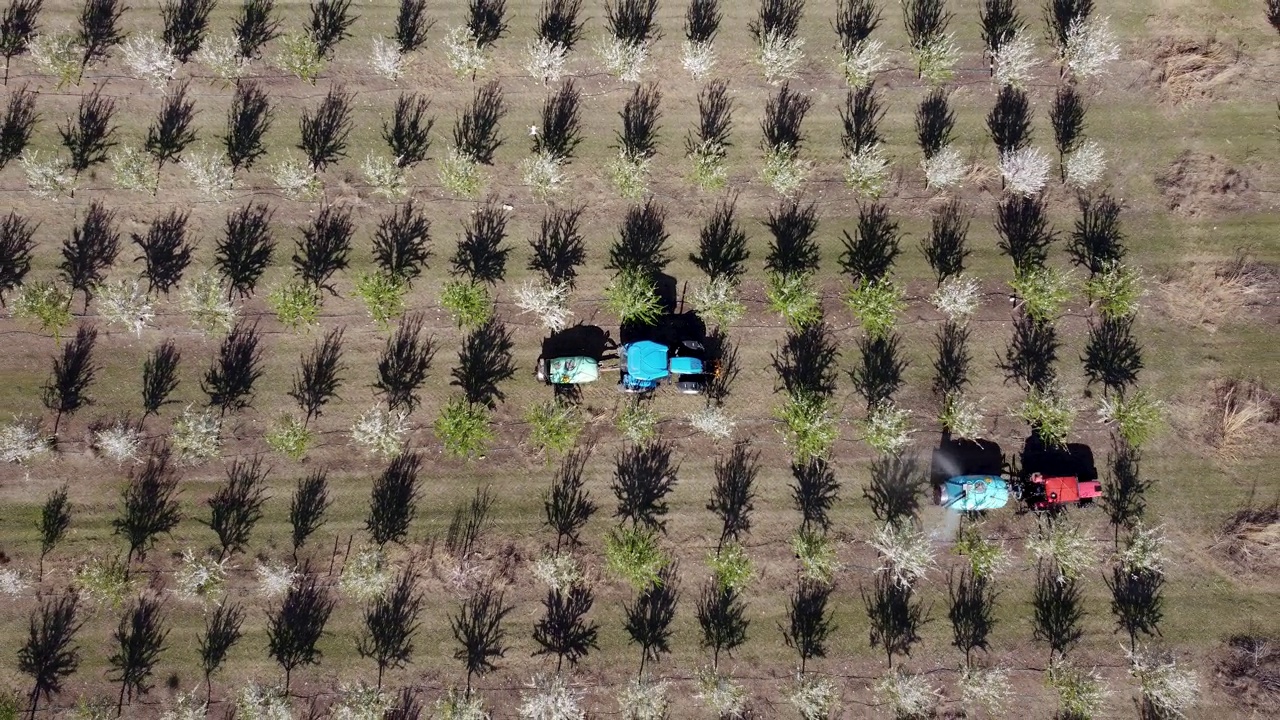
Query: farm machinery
{"x": 646, "y": 364}
{"x": 971, "y": 476}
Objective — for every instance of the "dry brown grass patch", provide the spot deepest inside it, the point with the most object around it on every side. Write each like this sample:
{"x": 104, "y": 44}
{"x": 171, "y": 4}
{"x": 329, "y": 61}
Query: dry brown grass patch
{"x": 1188, "y": 69}
{"x": 1238, "y": 412}
{"x": 1196, "y": 183}
{"x": 1251, "y": 536}
{"x": 1206, "y": 294}
{"x": 1251, "y": 670}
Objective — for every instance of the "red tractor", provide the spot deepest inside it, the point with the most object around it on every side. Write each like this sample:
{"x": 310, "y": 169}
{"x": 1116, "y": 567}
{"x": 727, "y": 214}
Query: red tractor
{"x": 1042, "y": 478}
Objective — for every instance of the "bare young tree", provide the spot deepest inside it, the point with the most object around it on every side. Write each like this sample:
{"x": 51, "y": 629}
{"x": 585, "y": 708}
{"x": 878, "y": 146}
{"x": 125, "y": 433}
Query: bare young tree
{"x": 330, "y": 22}
{"x": 20, "y": 116}
{"x": 88, "y": 136}
{"x": 166, "y": 251}
{"x": 390, "y": 623}
{"x": 1112, "y": 356}
{"x": 150, "y": 502}
{"x": 185, "y": 24}
{"x": 404, "y": 363}
{"x": 393, "y": 502}
{"x": 733, "y": 495}
{"x": 402, "y": 242}
{"x": 295, "y": 627}
{"x": 319, "y": 376}
{"x": 90, "y": 250}
{"x": 722, "y": 616}
{"x": 254, "y": 26}
{"x": 17, "y": 27}
{"x": 814, "y": 493}
{"x": 159, "y": 377}
{"x": 229, "y": 380}
{"x": 139, "y": 641}
{"x": 73, "y": 372}
{"x": 171, "y": 133}
{"x": 559, "y": 23}
{"x": 935, "y": 122}
{"x": 475, "y": 131}
{"x": 221, "y": 633}
{"x": 324, "y": 248}
{"x": 895, "y": 616}
{"x": 486, "y": 20}
{"x": 722, "y": 244}
{"x": 563, "y": 629}
{"x": 642, "y": 478}
{"x": 412, "y": 25}
{"x": 952, "y": 359}
{"x": 1057, "y": 611}
{"x": 649, "y": 618}
{"x": 478, "y": 630}
{"x": 99, "y": 29}
{"x": 409, "y": 134}
{"x": 17, "y": 241}
{"x": 325, "y": 131}
{"x": 897, "y": 484}
{"x": 947, "y": 246}
{"x": 480, "y": 255}
{"x": 248, "y": 120}
{"x": 1032, "y": 353}
{"x": 236, "y": 507}
{"x": 244, "y": 251}
{"x": 307, "y": 508}
{"x": 50, "y": 654}
{"x": 568, "y": 505}
{"x": 561, "y": 128}
{"x": 559, "y": 248}
{"x": 484, "y": 362}
{"x": 869, "y": 254}
{"x": 793, "y": 248}
{"x": 811, "y": 623}
{"x": 55, "y": 518}
{"x": 643, "y": 243}
{"x": 971, "y": 611}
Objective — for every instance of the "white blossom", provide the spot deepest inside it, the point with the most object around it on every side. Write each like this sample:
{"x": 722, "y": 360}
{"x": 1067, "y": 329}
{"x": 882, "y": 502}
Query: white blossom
{"x": 558, "y": 571}
{"x": 549, "y": 302}
{"x": 957, "y": 298}
{"x": 550, "y": 698}
{"x": 698, "y": 58}
{"x": 1072, "y": 550}
{"x": 713, "y": 421}
{"x": 275, "y": 579}
{"x": 1085, "y": 164}
{"x": 1014, "y": 61}
{"x": 296, "y": 179}
{"x": 125, "y": 302}
{"x": 47, "y": 178}
{"x": 906, "y": 553}
{"x": 386, "y": 59}
{"x": 1025, "y": 171}
{"x": 118, "y": 441}
{"x": 1090, "y": 47}
{"x": 366, "y": 576}
{"x": 360, "y": 702}
{"x": 1168, "y": 689}
{"x": 196, "y": 435}
{"x": 908, "y": 695}
{"x": 779, "y": 55}
{"x": 988, "y": 688}
{"x": 814, "y": 698}
{"x": 13, "y": 582}
{"x": 945, "y": 169}
{"x": 204, "y": 298}
{"x": 861, "y": 64}
{"x": 546, "y": 60}
{"x": 149, "y": 59}
{"x": 866, "y": 171}
{"x": 624, "y": 60}
{"x": 221, "y": 54}
{"x": 210, "y": 173}
{"x": 21, "y": 440}
{"x": 255, "y": 702}
{"x": 643, "y": 699}
{"x": 134, "y": 169}
{"x": 199, "y": 577}
{"x": 385, "y": 177}
{"x": 728, "y": 699}
{"x": 544, "y": 173}
{"x": 466, "y": 57}
{"x": 380, "y": 431}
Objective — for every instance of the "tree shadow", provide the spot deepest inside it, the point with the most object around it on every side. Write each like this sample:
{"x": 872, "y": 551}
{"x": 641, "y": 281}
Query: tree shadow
{"x": 483, "y": 362}
{"x": 955, "y": 456}
{"x": 806, "y": 361}
{"x": 897, "y": 482}
{"x": 585, "y": 340}
{"x": 1073, "y": 460}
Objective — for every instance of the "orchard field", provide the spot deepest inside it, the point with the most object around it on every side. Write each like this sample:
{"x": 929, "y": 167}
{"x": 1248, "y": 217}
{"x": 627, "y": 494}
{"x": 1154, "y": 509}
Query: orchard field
{"x": 277, "y": 276}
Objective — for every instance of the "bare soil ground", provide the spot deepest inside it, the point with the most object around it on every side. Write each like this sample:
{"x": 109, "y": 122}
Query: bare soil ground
{"x": 1198, "y": 181}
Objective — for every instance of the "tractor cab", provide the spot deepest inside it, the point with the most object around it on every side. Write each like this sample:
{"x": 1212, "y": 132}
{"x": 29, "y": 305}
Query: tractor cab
{"x": 1040, "y": 492}
{"x": 646, "y": 363}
